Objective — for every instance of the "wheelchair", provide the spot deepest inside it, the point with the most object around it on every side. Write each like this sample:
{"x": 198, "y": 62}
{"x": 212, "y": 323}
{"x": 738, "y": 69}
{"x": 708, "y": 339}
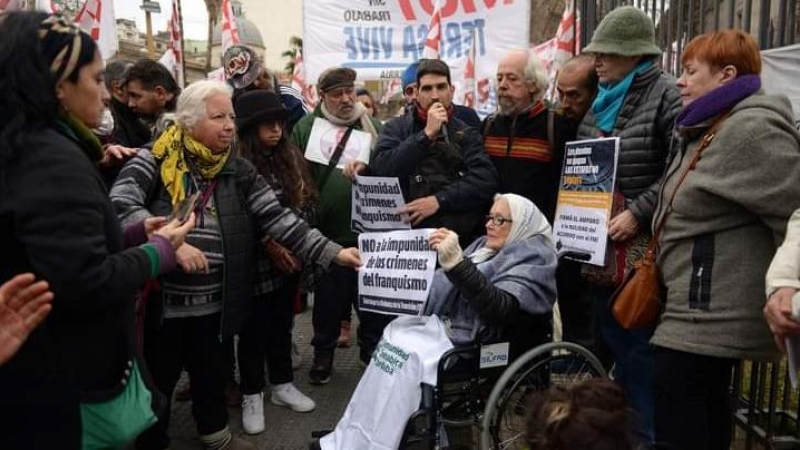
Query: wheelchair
{"x": 488, "y": 407}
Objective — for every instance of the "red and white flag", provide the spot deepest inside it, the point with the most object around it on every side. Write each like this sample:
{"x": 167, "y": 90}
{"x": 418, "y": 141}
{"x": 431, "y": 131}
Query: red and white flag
{"x": 469, "y": 76}
{"x": 393, "y": 87}
{"x": 555, "y": 52}
{"x": 434, "y": 38}
{"x": 230, "y": 31}
{"x": 173, "y": 57}
{"x": 96, "y": 17}
{"x": 309, "y": 93}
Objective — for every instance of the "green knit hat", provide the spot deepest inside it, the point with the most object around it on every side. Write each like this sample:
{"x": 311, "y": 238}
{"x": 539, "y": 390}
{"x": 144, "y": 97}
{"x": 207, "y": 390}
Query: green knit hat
{"x": 625, "y": 31}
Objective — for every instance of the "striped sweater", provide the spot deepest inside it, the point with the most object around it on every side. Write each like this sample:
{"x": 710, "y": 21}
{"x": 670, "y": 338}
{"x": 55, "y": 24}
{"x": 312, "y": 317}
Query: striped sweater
{"x": 519, "y": 147}
{"x": 242, "y": 209}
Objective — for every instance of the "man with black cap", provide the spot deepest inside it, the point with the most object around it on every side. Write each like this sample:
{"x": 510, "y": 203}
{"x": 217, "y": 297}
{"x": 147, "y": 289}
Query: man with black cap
{"x": 446, "y": 176}
{"x": 338, "y": 109}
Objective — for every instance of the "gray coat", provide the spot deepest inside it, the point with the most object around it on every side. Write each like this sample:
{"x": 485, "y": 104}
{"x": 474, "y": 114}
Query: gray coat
{"x": 525, "y": 269}
{"x": 727, "y": 220}
{"x": 644, "y": 127}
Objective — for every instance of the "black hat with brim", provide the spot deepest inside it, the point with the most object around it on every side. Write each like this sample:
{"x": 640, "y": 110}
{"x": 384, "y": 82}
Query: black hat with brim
{"x": 258, "y": 106}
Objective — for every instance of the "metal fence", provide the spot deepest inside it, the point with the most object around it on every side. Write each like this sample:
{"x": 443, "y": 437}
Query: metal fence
{"x": 765, "y": 407}
{"x": 774, "y": 23}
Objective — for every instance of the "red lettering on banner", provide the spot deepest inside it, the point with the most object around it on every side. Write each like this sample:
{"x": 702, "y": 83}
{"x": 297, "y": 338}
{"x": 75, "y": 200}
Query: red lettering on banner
{"x": 449, "y": 8}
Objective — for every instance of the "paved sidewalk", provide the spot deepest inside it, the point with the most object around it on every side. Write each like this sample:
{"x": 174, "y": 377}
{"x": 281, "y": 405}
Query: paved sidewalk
{"x": 286, "y": 429}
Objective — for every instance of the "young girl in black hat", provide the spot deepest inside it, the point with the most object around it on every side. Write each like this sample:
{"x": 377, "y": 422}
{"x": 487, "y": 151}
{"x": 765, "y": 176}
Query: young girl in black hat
{"x": 260, "y": 122}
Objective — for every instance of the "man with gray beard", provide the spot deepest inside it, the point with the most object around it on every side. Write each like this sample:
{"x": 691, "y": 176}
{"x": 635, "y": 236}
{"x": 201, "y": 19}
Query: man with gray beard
{"x": 336, "y": 289}
{"x": 525, "y": 140}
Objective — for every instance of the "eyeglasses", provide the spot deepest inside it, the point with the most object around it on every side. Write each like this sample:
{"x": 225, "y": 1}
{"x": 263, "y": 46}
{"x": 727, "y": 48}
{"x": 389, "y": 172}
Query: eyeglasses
{"x": 498, "y": 220}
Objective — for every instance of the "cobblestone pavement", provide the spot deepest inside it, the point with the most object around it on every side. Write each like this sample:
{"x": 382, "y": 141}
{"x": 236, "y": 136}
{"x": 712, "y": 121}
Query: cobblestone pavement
{"x": 286, "y": 429}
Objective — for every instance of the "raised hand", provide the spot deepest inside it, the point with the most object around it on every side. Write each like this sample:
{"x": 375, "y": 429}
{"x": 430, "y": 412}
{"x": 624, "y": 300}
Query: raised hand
{"x": 24, "y": 304}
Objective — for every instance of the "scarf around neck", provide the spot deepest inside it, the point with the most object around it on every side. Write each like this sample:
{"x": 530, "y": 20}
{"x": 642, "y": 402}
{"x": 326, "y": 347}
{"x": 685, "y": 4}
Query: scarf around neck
{"x": 360, "y": 114}
{"x": 527, "y": 221}
{"x": 70, "y": 126}
{"x": 718, "y": 100}
{"x": 172, "y": 149}
{"x": 610, "y": 96}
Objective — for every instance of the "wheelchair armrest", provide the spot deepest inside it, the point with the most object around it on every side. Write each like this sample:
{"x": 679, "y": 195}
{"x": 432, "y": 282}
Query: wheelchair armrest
{"x": 465, "y": 355}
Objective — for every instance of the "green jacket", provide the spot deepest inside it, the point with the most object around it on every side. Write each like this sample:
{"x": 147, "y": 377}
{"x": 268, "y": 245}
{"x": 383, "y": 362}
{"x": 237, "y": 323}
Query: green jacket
{"x": 333, "y": 211}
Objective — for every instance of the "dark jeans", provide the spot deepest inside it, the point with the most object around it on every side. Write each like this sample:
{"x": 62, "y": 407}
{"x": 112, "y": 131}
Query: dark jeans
{"x": 633, "y": 361}
{"x": 693, "y": 400}
{"x": 336, "y": 289}
{"x": 268, "y": 332}
{"x": 579, "y": 323}
{"x": 190, "y": 343}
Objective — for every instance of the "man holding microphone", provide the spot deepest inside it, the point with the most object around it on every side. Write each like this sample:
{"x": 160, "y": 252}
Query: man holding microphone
{"x": 446, "y": 176}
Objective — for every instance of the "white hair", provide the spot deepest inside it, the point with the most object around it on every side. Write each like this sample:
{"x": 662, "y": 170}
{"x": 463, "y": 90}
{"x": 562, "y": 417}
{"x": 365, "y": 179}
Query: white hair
{"x": 535, "y": 73}
{"x": 191, "y": 106}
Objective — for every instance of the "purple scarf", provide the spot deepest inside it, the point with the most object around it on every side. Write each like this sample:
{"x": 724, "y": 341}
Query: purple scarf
{"x": 719, "y": 100}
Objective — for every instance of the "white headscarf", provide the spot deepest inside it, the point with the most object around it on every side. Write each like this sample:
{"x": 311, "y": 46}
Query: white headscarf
{"x": 526, "y": 221}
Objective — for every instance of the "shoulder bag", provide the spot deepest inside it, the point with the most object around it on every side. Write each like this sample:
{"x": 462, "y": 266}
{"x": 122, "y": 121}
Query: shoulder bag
{"x": 636, "y": 303}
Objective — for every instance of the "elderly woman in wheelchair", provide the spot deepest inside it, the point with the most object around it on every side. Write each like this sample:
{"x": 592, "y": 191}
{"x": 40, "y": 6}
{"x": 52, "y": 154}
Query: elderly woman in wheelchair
{"x": 504, "y": 288}
{"x": 500, "y": 288}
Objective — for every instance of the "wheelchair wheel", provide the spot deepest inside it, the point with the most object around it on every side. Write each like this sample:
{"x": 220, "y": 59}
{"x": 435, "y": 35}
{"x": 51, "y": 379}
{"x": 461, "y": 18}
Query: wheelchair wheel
{"x": 562, "y": 363}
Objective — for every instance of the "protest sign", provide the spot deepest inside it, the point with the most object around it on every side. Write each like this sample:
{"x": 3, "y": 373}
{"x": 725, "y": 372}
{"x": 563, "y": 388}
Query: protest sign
{"x": 324, "y": 138}
{"x": 397, "y": 271}
{"x": 375, "y": 205}
{"x": 585, "y": 198}
{"x": 379, "y": 38}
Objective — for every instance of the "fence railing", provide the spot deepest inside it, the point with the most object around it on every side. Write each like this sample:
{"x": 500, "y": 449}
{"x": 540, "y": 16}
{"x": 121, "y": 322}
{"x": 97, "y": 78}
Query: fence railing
{"x": 774, "y": 23}
{"x": 765, "y": 407}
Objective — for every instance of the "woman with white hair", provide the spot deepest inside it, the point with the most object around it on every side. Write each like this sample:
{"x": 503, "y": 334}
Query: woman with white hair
{"x": 196, "y": 312}
{"x": 500, "y": 288}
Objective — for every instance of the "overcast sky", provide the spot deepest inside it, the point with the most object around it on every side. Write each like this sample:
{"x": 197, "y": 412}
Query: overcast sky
{"x": 194, "y": 16}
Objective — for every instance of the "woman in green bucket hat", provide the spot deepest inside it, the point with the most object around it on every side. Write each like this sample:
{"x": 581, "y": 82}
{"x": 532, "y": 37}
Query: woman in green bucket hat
{"x": 637, "y": 103}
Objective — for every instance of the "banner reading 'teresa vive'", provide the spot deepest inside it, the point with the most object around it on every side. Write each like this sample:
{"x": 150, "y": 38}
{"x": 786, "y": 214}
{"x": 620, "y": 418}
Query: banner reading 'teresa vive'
{"x": 379, "y": 38}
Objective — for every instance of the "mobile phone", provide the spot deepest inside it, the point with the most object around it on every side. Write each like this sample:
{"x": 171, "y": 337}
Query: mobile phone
{"x": 183, "y": 209}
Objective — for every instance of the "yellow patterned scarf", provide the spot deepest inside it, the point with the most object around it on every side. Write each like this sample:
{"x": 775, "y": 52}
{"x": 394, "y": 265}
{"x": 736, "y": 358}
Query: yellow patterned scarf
{"x": 173, "y": 147}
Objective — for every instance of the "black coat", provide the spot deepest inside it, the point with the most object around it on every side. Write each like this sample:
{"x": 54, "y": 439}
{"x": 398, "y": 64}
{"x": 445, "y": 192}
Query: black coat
{"x": 57, "y": 222}
{"x": 644, "y": 127}
{"x": 404, "y": 150}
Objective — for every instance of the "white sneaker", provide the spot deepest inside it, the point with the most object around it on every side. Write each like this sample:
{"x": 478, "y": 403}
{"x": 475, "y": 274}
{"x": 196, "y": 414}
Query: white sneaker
{"x": 287, "y": 395}
{"x": 297, "y": 358}
{"x": 253, "y": 413}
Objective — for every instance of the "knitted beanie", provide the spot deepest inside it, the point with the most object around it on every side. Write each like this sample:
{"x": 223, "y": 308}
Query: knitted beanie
{"x": 625, "y": 31}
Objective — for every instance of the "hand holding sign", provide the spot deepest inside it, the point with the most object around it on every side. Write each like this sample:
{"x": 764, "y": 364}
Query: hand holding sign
{"x": 445, "y": 242}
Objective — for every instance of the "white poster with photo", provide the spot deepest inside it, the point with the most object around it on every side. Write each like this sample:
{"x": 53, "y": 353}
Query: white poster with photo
{"x": 397, "y": 272}
{"x": 324, "y": 138}
{"x": 375, "y": 205}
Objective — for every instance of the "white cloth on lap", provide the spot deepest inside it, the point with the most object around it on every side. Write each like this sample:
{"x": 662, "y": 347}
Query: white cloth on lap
{"x": 389, "y": 391}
